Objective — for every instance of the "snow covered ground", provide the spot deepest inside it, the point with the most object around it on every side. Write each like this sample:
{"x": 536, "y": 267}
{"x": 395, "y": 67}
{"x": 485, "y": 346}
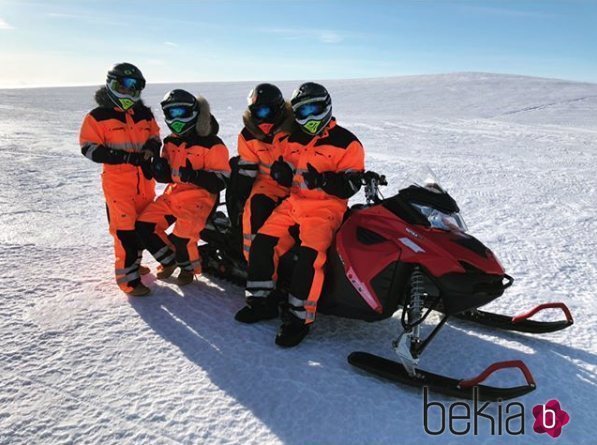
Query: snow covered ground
{"x": 82, "y": 363}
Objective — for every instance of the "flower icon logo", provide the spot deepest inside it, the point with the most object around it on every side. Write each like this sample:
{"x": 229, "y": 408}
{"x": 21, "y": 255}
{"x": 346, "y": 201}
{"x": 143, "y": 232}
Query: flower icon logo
{"x": 550, "y": 418}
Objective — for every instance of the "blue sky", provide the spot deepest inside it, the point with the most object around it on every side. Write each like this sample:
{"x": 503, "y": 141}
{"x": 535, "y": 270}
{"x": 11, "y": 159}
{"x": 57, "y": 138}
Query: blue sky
{"x": 73, "y": 42}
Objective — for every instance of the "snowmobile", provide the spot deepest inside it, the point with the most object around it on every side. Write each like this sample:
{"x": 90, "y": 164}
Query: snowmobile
{"x": 411, "y": 252}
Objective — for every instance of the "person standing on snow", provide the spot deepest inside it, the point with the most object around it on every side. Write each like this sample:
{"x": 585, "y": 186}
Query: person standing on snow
{"x": 323, "y": 163}
{"x": 122, "y": 134}
{"x": 266, "y": 119}
{"x": 194, "y": 164}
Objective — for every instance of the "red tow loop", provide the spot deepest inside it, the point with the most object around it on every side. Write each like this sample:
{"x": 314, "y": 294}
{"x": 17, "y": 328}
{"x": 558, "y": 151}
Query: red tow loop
{"x": 559, "y": 305}
{"x": 469, "y": 383}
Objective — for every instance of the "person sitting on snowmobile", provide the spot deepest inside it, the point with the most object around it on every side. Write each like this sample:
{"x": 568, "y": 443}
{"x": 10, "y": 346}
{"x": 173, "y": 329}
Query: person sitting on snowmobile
{"x": 323, "y": 164}
{"x": 267, "y": 118}
{"x": 122, "y": 134}
{"x": 194, "y": 164}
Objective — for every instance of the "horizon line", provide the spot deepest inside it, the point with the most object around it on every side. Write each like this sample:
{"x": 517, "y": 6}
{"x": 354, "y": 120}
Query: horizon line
{"x": 82, "y": 85}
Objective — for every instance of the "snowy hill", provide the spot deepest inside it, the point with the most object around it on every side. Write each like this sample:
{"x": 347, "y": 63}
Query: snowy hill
{"x": 82, "y": 363}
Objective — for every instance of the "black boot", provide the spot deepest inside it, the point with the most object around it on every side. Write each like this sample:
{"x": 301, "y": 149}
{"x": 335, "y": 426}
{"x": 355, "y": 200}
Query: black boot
{"x": 257, "y": 309}
{"x": 292, "y": 331}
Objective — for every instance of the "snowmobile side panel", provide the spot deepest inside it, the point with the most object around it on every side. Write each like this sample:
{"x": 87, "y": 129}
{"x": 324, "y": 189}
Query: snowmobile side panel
{"x": 365, "y": 250}
{"x": 340, "y": 298}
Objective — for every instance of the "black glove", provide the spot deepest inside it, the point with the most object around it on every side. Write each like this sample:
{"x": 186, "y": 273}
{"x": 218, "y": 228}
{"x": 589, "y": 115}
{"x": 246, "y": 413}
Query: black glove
{"x": 342, "y": 184}
{"x": 134, "y": 158}
{"x": 281, "y": 172}
{"x": 313, "y": 179}
{"x": 187, "y": 174}
{"x": 146, "y": 168}
{"x": 153, "y": 146}
{"x": 140, "y": 159}
{"x": 210, "y": 181}
{"x": 160, "y": 169}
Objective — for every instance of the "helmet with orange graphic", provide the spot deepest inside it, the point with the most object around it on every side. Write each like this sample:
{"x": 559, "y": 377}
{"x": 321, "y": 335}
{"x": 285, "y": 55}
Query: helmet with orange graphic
{"x": 266, "y": 107}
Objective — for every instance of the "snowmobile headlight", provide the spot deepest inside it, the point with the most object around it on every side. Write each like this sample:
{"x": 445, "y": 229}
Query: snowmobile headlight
{"x": 441, "y": 220}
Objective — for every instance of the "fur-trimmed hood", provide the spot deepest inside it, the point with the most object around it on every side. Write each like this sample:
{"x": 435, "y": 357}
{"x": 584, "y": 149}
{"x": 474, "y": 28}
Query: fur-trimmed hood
{"x": 207, "y": 124}
{"x": 104, "y": 101}
{"x": 287, "y": 125}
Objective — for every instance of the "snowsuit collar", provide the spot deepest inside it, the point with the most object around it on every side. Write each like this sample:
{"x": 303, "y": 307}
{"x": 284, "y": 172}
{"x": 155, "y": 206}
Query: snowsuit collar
{"x": 193, "y": 135}
{"x": 305, "y": 138}
{"x": 104, "y": 101}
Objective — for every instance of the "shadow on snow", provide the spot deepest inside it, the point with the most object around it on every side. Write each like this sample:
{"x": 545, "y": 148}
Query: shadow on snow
{"x": 311, "y": 394}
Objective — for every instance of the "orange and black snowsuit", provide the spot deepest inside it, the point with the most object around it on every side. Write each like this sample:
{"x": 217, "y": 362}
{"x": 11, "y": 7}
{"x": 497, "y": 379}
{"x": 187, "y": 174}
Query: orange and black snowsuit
{"x": 109, "y": 136}
{"x": 257, "y": 152}
{"x": 315, "y": 214}
{"x": 186, "y": 204}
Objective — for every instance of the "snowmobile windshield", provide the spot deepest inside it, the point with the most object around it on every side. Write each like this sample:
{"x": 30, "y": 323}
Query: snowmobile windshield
{"x": 424, "y": 177}
{"x": 441, "y": 220}
{"x": 432, "y": 201}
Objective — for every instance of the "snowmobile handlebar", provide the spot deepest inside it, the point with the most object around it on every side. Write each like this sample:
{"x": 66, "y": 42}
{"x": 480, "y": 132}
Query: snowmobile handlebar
{"x": 372, "y": 181}
{"x": 370, "y": 177}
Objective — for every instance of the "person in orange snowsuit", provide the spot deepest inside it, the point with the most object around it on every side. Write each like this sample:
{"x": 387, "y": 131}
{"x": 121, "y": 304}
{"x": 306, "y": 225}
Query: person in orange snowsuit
{"x": 257, "y": 193}
{"x": 122, "y": 134}
{"x": 194, "y": 164}
{"x": 323, "y": 163}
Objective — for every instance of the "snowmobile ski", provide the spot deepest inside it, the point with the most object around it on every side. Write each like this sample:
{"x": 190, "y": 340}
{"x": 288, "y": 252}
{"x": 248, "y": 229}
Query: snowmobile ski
{"x": 462, "y": 388}
{"x": 520, "y": 323}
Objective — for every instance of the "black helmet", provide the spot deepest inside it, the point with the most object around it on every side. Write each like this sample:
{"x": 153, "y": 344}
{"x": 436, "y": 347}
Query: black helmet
{"x": 124, "y": 83}
{"x": 181, "y": 110}
{"x": 312, "y": 107}
{"x": 266, "y": 106}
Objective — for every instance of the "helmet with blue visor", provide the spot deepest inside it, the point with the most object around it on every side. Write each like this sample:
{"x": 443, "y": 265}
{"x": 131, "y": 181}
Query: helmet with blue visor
{"x": 312, "y": 107}
{"x": 181, "y": 111}
{"x": 124, "y": 84}
{"x": 266, "y": 107}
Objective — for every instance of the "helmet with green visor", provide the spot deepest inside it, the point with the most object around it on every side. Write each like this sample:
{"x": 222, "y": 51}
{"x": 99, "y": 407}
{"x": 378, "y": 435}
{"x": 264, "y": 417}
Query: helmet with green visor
{"x": 312, "y": 107}
{"x": 181, "y": 111}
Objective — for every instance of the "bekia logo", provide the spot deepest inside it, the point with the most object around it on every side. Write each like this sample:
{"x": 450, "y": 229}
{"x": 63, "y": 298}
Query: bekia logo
{"x": 550, "y": 418}
{"x": 492, "y": 418}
